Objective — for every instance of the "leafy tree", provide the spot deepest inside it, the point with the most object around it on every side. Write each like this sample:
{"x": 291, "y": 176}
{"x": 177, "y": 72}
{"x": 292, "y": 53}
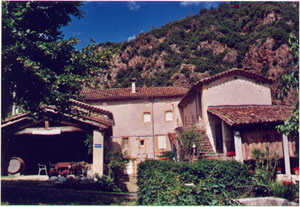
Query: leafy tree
{"x": 93, "y": 60}
{"x": 37, "y": 65}
{"x": 290, "y": 127}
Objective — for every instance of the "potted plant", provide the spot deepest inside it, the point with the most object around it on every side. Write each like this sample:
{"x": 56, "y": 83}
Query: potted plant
{"x": 230, "y": 154}
{"x": 52, "y": 173}
{"x": 296, "y": 170}
{"x": 65, "y": 173}
{"x": 279, "y": 170}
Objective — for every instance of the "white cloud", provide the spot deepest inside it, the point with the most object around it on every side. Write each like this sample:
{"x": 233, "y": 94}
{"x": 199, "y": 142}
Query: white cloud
{"x": 190, "y": 3}
{"x": 131, "y": 38}
{"x": 208, "y": 5}
{"x": 132, "y": 5}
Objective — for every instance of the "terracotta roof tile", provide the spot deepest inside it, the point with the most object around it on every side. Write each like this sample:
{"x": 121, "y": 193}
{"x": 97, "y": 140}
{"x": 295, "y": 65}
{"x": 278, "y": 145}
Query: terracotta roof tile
{"x": 235, "y": 71}
{"x": 88, "y": 112}
{"x": 92, "y": 108}
{"x": 230, "y": 72}
{"x": 238, "y": 115}
{"x": 14, "y": 118}
{"x": 126, "y": 94}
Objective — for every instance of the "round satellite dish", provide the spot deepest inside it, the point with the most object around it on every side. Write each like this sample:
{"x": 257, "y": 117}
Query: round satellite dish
{"x": 16, "y": 165}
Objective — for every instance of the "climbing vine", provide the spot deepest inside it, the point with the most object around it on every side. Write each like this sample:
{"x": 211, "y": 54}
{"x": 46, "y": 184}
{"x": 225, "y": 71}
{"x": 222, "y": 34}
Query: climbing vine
{"x": 190, "y": 145}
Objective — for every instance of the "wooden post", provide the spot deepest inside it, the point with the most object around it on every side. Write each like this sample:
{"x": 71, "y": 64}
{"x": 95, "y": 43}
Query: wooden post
{"x": 98, "y": 152}
{"x": 286, "y": 155}
{"x": 238, "y": 146}
{"x": 46, "y": 124}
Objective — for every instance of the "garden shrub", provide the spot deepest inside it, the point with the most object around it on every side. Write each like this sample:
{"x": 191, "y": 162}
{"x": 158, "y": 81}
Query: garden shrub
{"x": 168, "y": 155}
{"x": 206, "y": 182}
{"x": 265, "y": 170}
{"x": 286, "y": 190}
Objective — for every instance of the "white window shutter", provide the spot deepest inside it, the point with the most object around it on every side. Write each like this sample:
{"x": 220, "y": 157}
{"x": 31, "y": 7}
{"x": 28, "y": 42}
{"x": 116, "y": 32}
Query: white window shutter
{"x": 169, "y": 115}
{"x": 162, "y": 142}
{"x": 147, "y": 117}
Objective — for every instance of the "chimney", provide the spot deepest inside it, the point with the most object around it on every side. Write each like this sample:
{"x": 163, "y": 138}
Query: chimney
{"x": 133, "y": 89}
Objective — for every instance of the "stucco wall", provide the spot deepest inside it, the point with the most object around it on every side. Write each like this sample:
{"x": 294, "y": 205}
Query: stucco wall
{"x": 189, "y": 112}
{"x": 234, "y": 90}
{"x": 128, "y": 116}
{"x": 129, "y": 122}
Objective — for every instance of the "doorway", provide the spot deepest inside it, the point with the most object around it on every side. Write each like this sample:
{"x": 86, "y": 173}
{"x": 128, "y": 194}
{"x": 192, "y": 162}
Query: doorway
{"x": 219, "y": 137}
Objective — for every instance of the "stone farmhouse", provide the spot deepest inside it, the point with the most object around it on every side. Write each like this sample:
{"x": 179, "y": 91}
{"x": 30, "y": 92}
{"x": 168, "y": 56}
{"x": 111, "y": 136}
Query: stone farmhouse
{"x": 143, "y": 118}
{"x": 232, "y": 111}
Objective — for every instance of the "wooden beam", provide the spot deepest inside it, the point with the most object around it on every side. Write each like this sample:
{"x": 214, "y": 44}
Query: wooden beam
{"x": 47, "y": 124}
{"x": 49, "y": 131}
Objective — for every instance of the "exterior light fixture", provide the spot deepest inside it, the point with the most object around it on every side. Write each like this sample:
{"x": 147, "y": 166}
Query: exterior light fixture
{"x": 237, "y": 133}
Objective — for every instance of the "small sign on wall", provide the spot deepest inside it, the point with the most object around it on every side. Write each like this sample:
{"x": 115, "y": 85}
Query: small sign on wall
{"x": 98, "y": 145}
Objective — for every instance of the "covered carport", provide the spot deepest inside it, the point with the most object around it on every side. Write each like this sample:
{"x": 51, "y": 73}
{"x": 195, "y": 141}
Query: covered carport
{"x": 57, "y": 137}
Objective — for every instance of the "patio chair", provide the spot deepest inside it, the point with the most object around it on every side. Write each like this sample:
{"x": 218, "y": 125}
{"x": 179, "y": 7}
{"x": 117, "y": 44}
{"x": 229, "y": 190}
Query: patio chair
{"x": 42, "y": 168}
{"x": 52, "y": 166}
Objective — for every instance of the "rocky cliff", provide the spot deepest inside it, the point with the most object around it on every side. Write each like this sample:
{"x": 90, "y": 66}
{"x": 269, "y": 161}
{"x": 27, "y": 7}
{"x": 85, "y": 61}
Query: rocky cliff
{"x": 249, "y": 35}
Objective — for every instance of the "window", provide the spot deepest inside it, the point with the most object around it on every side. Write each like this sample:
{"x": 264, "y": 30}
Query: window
{"x": 162, "y": 142}
{"x": 147, "y": 117}
{"x": 125, "y": 146}
{"x": 125, "y": 142}
{"x": 169, "y": 115}
{"x": 141, "y": 143}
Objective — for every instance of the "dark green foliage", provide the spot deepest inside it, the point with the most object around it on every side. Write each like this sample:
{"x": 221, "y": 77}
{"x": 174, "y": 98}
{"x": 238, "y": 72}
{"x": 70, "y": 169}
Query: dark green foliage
{"x": 286, "y": 190}
{"x": 115, "y": 163}
{"x": 265, "y": 170}
{"x": 189, "y": 139}
{"x": 38, "y": 65}
{"x": 167, "y": 155}
{"x": 287, "y": 81}
{"x": 124, "y": 77}
{"x": 207, "y": 182}
{"x": 89, "y": 143}
{"x": 146, "y": 52}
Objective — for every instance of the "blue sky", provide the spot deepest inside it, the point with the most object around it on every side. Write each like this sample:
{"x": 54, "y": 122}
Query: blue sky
{"x": 105, "y": 21}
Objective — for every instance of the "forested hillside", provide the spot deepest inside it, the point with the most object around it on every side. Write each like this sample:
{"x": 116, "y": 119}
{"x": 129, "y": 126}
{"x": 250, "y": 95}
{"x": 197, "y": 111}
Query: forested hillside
{"x": 248, "y": 35}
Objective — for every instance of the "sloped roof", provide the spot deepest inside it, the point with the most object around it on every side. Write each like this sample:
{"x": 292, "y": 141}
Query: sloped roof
{"x": 126, "y": 93}
{"x": 92, "y": 108}
{"x": 254, "y": 114}
{"x": 86, "y": 112}
{"x": 227, "y": 73}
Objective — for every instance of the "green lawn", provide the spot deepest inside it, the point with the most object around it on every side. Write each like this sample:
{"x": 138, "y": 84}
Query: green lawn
{"x": 45, "y": 193}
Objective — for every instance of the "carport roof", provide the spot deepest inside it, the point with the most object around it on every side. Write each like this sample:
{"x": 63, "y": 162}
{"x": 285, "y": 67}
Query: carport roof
{"x": 251, "y": 114}
{"x": 87, "y": 113}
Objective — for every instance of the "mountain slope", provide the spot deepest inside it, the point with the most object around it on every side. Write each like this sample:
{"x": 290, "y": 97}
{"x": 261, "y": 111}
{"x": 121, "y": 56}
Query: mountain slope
{"x": 248, "y": 35}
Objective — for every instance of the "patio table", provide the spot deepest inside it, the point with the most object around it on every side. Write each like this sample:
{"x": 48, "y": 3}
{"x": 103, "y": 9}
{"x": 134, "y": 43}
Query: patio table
{"x": 63, "y": 165}
{"x": 72, "y": 166}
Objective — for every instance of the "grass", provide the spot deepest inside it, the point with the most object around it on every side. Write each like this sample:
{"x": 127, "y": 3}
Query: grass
{"x": 45, "y": 193}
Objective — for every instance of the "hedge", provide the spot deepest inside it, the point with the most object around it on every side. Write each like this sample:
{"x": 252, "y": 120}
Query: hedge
{"x": 206, "y": 182}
